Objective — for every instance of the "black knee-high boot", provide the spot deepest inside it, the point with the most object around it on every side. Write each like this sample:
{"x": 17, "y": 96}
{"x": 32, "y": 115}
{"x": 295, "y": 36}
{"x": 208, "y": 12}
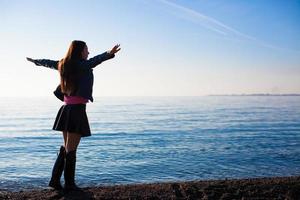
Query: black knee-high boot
{"x": 69, "y": 171}
{"x": 57, "y": 170}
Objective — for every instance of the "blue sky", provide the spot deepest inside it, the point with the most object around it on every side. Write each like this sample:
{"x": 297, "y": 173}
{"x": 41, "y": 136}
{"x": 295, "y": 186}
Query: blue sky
{"x": 169, "y": 47}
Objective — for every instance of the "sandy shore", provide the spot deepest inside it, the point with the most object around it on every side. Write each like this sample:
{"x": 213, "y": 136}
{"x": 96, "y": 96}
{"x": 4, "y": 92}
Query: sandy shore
{"x": 260, "y": 188}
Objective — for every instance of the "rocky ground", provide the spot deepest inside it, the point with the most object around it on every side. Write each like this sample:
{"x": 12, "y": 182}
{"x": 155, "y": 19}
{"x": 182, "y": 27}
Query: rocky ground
{"x": 260, "y": 188}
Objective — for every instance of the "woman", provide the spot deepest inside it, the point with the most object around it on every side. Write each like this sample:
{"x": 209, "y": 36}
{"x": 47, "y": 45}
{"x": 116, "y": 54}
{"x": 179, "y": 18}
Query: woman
{"x": 75, "y": 89}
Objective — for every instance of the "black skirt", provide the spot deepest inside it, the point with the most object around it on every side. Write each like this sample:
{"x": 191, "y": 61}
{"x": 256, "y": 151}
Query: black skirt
{"x": 72, "y": 118}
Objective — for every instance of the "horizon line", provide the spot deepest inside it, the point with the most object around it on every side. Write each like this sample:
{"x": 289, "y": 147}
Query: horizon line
{"x": 229, "y": 94}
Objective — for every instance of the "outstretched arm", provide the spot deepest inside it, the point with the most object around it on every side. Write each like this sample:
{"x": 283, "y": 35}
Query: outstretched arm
{"x": 93, "y": 62}
{"x": 44, "y": 62}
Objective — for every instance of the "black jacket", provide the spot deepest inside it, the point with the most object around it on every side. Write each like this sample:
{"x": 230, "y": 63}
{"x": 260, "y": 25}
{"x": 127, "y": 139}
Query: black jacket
{"x": 86, "y": 80}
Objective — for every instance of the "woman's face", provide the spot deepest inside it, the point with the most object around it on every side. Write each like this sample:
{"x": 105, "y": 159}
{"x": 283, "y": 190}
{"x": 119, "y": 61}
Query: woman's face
{"x": 85, "y": 53}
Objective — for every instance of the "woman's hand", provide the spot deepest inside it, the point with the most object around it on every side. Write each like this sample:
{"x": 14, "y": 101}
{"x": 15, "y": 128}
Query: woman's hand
{"x": 30, "y": 59}
{"x": 115, "y": 49}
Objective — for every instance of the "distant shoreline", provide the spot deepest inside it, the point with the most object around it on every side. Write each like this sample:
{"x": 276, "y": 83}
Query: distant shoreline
{"x": 252, "y": 188}
{"x": 168, "y": 96}
{"x": 254, "y": 95}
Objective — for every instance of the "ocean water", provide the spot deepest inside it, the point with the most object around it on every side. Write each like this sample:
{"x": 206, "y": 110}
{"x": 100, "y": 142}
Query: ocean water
{"x": 154, "y": 139}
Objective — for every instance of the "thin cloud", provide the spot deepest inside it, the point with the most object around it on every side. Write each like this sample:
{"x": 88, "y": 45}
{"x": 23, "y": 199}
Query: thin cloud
{"x": 217, "y": 26}
{"x": 207, "y": 21}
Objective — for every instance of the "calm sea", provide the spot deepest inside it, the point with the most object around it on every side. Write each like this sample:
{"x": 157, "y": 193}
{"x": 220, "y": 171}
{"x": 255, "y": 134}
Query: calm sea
{"x": 154, "y": 139}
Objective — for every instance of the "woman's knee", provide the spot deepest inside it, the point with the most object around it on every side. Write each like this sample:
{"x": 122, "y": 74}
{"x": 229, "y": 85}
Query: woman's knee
{"x": 73, "y": 140}
{"x": 65, "y": 138}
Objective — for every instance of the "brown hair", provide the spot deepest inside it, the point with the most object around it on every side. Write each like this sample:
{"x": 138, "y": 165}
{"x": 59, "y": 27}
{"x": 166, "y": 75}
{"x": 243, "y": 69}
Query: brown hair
{"x": 67, "y": 67}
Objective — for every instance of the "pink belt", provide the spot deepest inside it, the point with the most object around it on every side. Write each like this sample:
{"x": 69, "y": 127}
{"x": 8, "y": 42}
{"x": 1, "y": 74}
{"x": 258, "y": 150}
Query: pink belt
{"x": 75, "y": 100}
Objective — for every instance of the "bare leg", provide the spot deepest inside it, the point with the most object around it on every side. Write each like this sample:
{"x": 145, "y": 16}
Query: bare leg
{"x": 73, "y": 140}
{"x": 58, "y": 166}
{"x": 65, "y": 138}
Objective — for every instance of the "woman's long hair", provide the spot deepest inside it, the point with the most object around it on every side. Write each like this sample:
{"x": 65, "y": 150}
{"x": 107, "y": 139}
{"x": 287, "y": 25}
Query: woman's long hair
{"x": 68, "y": 67}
